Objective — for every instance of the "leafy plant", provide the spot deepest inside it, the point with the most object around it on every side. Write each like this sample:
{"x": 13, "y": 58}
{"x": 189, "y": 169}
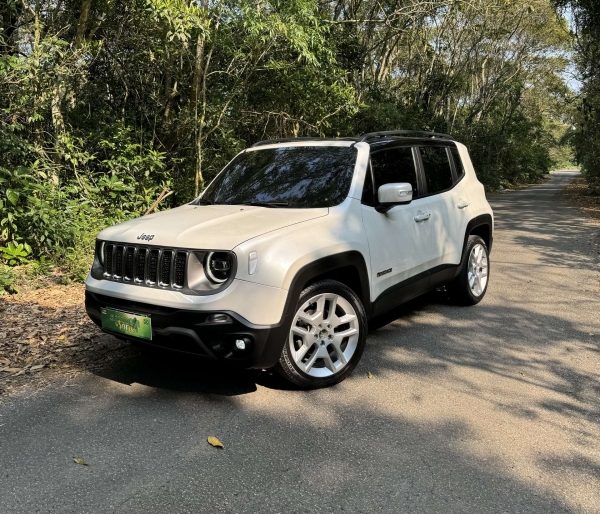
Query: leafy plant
{"x": 7, "y": 279}
{"x": 15, "y": 253}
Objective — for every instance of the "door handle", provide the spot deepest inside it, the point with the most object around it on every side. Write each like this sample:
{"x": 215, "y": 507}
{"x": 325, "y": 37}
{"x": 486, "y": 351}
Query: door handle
{"x": 422, "y": 217}
{"x": 462, "y": 204}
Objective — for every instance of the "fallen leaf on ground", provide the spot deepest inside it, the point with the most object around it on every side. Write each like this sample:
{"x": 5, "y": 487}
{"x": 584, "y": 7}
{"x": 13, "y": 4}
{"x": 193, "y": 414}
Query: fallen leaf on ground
{"x": 370, "y": 375}
{"x": 213, "y": 441}
{"x": 11, "y": 370}
{"x": 62, "y": 337}
{"x": 34, "y": 368}
{"x": 79, "y": 461}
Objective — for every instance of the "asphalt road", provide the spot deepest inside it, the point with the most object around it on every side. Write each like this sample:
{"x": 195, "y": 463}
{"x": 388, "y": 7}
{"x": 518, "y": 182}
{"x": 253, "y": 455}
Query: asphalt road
{"x": 487, "y": 409}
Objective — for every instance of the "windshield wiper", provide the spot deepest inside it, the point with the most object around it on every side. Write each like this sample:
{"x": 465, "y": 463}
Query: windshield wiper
{"x": 266, "y": 204}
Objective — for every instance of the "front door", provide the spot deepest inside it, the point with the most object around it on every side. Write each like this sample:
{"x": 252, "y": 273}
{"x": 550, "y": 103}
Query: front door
{"x": 400, "y": 240}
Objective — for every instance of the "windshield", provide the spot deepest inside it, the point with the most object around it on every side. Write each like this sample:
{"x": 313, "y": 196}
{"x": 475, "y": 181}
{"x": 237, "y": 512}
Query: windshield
{"x": 299, "y": 176}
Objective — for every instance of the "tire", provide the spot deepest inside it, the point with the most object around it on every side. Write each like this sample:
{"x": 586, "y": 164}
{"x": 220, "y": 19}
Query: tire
{"x": 471, "y": 284}
{"x": 323, "y": 347}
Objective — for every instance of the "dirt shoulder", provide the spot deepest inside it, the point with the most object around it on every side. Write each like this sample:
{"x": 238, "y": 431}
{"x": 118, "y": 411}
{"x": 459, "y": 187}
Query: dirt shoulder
{"x": 577, "y": 195}
{"x": 45, "y": 333}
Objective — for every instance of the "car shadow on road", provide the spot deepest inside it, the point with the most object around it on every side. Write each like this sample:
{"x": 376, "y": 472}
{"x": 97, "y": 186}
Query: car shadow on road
{"x": 173, "y": 371}
{"x": 511, "y": 343}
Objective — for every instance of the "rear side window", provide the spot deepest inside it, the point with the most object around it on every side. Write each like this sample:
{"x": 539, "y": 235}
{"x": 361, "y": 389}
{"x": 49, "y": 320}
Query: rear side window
{"x": 458, "y": 165}
{"x": 438, "y": 174}
{"x": 394, "y": 165}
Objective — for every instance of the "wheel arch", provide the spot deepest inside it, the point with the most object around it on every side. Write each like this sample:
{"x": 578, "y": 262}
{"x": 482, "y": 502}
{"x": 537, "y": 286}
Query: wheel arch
{"x": 480, "y": 226}
{"x": 347, "y": 267}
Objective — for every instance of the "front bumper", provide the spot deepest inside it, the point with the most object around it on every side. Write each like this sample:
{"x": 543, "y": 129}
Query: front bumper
{"x": 188, "y": 331}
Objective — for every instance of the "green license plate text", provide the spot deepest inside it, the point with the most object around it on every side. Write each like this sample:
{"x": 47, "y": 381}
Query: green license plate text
{"x": 135, "y": 325}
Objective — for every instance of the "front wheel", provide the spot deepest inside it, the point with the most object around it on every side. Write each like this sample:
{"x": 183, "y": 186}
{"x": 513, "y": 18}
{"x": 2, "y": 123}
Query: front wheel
{"x": 327, "y": 336}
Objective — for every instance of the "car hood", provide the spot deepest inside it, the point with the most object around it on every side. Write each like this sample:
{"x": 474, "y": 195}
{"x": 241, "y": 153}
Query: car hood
{"x": 211, "y": 227}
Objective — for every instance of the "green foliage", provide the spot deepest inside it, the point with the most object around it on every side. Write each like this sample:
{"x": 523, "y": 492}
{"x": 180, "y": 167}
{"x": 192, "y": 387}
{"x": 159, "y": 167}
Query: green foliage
{"x": 15, "y": 253}
{"x": 104, "y": 104}
{"x": 585, "y": 16}
{"x": 7, "y": 280}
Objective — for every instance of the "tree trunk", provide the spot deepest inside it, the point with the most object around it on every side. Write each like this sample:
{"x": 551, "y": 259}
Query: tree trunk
{"x": 195, "y": 96}
{"x": 58, "y": 123}
{"x": 199, "y": 180}
{"x": 83, "y": 21}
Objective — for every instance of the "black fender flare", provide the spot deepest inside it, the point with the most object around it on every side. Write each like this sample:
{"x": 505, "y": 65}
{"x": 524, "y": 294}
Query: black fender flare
{"x": 482, "y": 219}
{"x": 279, "y": 332}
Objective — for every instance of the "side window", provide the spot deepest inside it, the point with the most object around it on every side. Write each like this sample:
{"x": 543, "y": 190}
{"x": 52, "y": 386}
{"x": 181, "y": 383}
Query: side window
{"x": 367, "y": 194}
{"x": 438, "y": 174}
{"x": 394, "y": 165}
{"x": 458, "y": 165}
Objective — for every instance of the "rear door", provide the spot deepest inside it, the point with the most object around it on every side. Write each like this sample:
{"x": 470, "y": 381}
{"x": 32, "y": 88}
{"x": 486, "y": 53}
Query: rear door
{"x": 400, "y": 240}
{"x": 448, "y": 201}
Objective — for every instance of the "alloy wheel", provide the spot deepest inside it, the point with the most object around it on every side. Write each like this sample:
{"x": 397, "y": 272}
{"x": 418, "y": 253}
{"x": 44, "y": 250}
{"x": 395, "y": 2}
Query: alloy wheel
{"x": 478, "y": 269}
{"x": 324, "y": 335}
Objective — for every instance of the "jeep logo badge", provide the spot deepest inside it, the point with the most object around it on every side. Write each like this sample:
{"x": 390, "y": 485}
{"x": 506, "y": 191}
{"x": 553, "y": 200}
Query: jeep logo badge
{"x": 146, "y": 237}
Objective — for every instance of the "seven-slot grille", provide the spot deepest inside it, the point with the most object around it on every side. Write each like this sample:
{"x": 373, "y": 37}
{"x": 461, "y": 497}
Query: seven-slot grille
{"x": 145, "y": 266}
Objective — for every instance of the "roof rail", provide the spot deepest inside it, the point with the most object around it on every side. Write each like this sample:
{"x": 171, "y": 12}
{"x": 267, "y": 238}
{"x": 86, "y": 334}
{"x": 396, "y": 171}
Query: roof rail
{"x": 286, "y": 140}
{"x": 405, "y": 133}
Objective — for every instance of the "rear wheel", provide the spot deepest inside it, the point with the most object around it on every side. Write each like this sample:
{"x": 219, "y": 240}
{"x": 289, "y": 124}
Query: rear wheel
{"x": 470, "y": 286}
{"x": 327, "y": 336}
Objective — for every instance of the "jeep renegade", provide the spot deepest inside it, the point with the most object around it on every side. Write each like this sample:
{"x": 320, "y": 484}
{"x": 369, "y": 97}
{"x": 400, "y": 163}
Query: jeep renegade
{"x": 293, "y": 247}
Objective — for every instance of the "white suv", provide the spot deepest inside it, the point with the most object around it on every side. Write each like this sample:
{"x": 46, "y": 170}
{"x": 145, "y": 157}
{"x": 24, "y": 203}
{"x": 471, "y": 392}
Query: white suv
{"x": 293, "y": 247}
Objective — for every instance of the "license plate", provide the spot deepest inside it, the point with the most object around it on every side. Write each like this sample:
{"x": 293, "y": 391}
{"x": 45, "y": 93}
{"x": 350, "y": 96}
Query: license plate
{"x": 135, "y": 325}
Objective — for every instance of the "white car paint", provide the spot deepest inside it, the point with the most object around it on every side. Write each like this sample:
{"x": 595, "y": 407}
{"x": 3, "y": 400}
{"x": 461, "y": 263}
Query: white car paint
{"x": 210, "y": 227}
{"x": 397, "y": 243}
{"x": 282, "y": 241}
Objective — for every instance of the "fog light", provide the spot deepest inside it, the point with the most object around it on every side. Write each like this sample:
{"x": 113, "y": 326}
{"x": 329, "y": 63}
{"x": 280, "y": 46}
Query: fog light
{"x": 219, "y": 318}
{"x": 240, "y": 344}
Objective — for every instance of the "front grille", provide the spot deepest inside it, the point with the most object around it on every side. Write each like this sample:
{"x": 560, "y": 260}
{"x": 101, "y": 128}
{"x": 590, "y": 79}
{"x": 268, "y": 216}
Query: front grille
{"x": 165, "y": 268}
{"x": 119, "y": 262}
{"x": 128, "y": 275}
{"x": 162, "y": 267}
{"x": 108, "y": 259}
{"x": 140, "y": 270}
{"x": 179, "y": 274}
{"x": 152, "y": 267}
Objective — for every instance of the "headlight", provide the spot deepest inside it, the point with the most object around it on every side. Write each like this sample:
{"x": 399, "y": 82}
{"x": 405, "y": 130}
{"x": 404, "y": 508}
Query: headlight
{"x": 210, "y": 271}
{"x": 217, "y": 266}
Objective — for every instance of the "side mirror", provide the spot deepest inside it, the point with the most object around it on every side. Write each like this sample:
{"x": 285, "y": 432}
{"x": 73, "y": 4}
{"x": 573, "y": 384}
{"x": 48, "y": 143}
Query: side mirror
{"x": 390, "y": 195}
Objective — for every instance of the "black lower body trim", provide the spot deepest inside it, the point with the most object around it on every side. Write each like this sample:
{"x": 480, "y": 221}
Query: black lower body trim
{"x": 414, "y": 286}
{"x": 189, "y": 332}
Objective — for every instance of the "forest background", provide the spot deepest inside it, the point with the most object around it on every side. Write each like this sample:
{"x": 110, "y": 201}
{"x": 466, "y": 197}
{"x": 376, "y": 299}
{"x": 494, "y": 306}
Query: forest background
{"x": 106, "y": 104}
